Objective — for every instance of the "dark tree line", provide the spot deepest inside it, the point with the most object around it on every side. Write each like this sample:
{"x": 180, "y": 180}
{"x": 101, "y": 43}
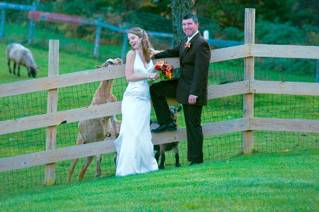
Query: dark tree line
{"x": 225, "y": 17}
{"x": 226, "y": 12}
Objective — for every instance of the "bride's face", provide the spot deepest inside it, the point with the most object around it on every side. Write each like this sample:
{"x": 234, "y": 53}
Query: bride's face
{"x": 134, "y": 41}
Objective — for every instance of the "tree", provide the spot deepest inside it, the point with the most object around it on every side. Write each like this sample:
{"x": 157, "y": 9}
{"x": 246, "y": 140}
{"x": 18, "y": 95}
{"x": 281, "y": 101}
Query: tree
{"x": 180, "y": 8}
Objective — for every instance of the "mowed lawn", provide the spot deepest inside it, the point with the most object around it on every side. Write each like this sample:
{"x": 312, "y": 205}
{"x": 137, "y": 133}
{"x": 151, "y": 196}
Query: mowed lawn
{"x": 259, "y": 182}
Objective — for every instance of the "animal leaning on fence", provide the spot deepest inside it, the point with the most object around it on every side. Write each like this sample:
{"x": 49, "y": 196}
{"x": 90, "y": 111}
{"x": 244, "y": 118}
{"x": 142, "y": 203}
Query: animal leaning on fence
{"x": 98, "y": 129}
{"x": 162, "y": 148}
{"x": 21, "y": 56}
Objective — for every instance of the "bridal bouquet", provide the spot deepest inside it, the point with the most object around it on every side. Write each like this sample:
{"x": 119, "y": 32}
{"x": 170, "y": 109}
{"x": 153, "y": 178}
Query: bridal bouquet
{"x": 166, "y": 71}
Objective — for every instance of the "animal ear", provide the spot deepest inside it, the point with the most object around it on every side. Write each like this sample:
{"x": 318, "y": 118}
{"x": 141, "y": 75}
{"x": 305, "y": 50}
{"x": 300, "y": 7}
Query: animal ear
{"x": 118, "y": 61}
{"x": 109, "y": 61}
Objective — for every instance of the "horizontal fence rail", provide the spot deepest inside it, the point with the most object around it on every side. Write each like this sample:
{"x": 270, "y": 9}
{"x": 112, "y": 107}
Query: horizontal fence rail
{"x": 61, "y": 117}
{"x": 287, "y": 125}
{"x": 284, "y": 51}
{"x": 4, "y": 5}
{"x": 289, "y": 88}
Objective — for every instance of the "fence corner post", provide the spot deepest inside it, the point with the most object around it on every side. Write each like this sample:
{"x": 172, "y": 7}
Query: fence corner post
{"x": 317, "y": 70}
{"x": 249, "y": 63}
{"x": 97, "y": 36}
{"x": 31, "y": 24}
{"x": 52, "y": 107}
{"x": 2, "y": 24}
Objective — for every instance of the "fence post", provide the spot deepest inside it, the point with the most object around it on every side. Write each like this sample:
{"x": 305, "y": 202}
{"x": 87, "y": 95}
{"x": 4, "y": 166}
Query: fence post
{"x": 317, "y": 71}
{"x": 3, "y": 21}
{"x": 124, "y": 47}
{"x": 97, "y": 37}
{"x": 206, "y": 35}
{"x": 249, "y": 62}
{"x": 52, "y": 107}
{"x": 31, "y": 24}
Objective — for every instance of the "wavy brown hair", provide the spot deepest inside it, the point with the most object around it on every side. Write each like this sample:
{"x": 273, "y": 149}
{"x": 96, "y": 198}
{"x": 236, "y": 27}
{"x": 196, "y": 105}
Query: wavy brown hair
{"x": 146, "y": 44}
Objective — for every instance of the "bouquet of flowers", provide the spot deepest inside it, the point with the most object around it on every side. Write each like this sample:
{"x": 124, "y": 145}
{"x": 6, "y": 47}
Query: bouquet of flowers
{"x": 165, "y": 70}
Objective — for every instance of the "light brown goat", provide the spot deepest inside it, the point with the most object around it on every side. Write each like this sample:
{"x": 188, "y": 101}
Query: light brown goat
{"x": 98, "y": 129}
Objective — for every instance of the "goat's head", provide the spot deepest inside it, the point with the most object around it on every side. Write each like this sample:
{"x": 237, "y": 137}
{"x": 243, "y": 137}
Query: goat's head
{"x": 110, "y": 61}
{"x": 112, "y": 127}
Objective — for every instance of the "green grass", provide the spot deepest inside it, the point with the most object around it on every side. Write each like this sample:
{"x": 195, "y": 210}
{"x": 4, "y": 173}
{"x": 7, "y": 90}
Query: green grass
{"x": 259, "y": 182}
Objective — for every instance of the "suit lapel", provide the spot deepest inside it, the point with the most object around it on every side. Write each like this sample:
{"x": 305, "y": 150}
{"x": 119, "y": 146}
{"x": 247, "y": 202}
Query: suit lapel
{"x": 185, "y": 50}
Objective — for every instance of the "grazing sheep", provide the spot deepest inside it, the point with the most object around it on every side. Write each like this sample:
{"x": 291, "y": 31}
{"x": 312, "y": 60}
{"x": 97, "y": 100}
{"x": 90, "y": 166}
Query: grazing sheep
{"x": 162, "y": 148}
{"x": 98, "y": 129}
{"x": 20, "y": 55}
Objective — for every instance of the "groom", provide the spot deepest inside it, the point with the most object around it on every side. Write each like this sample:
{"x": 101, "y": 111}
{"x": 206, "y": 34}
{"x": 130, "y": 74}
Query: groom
{"x": 190, "y": 90}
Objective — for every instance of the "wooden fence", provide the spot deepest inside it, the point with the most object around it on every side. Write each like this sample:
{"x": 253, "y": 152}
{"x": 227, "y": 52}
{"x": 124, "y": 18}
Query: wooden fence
{"x": 248, "y": 87}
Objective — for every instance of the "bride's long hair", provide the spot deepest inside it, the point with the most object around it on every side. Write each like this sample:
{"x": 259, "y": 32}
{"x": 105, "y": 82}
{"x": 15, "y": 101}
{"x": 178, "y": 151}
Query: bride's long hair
{"x": 146, "y": 44}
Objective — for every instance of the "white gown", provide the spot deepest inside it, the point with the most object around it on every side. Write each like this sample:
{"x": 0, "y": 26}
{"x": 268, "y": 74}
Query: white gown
{"x": 134, "y": 145}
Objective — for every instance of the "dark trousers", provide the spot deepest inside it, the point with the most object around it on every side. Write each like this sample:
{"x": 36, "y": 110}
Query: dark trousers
{"x": 192, "y": 113}
{"x": 159, "y": 92}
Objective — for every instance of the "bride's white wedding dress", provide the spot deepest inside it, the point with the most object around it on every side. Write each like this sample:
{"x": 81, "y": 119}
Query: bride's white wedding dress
{"x": 134, "y": 145}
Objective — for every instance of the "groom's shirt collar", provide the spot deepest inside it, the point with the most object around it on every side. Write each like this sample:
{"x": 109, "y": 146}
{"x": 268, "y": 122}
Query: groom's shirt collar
{"x": 190, "y": 38}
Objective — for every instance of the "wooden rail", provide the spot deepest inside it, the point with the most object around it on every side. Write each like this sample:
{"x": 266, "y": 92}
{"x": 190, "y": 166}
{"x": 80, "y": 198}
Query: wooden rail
{"x": 285, "y": 125}
{"x": 288, "y": 88}
{"x": 57, "y": 118}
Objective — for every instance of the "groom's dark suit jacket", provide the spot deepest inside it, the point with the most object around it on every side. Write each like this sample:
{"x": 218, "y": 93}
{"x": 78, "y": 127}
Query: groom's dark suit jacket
{"x": 194, "y": 62}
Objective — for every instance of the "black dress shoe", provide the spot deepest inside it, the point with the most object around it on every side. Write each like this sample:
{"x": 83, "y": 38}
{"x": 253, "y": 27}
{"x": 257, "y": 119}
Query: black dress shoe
{"x": 165, "y": 127}
{"x": 194, "y": 163}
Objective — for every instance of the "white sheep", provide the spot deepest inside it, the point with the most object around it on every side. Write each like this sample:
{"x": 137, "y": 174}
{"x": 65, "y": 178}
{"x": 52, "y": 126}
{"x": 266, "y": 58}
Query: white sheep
{"x": 98, "y": 129}
{"x": 21, "y": 55}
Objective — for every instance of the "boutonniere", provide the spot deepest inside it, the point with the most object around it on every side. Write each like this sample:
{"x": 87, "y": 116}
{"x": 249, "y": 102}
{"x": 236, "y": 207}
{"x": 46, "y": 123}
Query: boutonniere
{"x": 187, "y": 45}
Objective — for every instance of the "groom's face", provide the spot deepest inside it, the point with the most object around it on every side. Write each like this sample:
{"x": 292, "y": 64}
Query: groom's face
{"x": 189, "y": 26}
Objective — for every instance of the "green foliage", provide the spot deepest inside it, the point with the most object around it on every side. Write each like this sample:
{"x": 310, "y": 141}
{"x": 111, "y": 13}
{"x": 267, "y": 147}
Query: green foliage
{"x": 279, "y": 33}
{"x": 284, "y": 33}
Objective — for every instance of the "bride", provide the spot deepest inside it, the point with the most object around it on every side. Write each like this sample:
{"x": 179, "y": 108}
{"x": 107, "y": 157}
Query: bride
{"x": 134, "y": 145}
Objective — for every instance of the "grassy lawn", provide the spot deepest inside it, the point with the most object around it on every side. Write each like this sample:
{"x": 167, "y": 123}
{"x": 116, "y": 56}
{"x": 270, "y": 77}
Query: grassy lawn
{"x": 267, "y": 182}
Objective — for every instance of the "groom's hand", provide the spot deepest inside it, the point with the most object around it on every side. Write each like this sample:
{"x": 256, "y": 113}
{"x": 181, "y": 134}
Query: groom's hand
{"x": 192, "y": 99}
{"x": 153, "y": 76}
{"x": 154, "y": 52}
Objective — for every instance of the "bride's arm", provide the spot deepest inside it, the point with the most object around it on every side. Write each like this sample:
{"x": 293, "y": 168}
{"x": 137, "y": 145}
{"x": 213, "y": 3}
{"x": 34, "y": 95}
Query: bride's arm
{"x": 129, "y": 70}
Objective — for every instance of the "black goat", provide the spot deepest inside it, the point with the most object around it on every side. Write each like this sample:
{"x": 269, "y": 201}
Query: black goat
{"x": 162, "y": 148}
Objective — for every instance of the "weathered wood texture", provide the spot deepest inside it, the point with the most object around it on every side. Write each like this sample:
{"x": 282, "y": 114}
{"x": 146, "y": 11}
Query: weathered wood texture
{"x": 249, "y": 75}
{"x": 52, "y": 107}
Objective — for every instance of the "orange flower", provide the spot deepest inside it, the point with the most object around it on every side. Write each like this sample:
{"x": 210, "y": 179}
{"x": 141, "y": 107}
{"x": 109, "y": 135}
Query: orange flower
{"x": 187, "y": 45}
{"x": 165, "y": 70}
{"x": 158, "y": 65}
